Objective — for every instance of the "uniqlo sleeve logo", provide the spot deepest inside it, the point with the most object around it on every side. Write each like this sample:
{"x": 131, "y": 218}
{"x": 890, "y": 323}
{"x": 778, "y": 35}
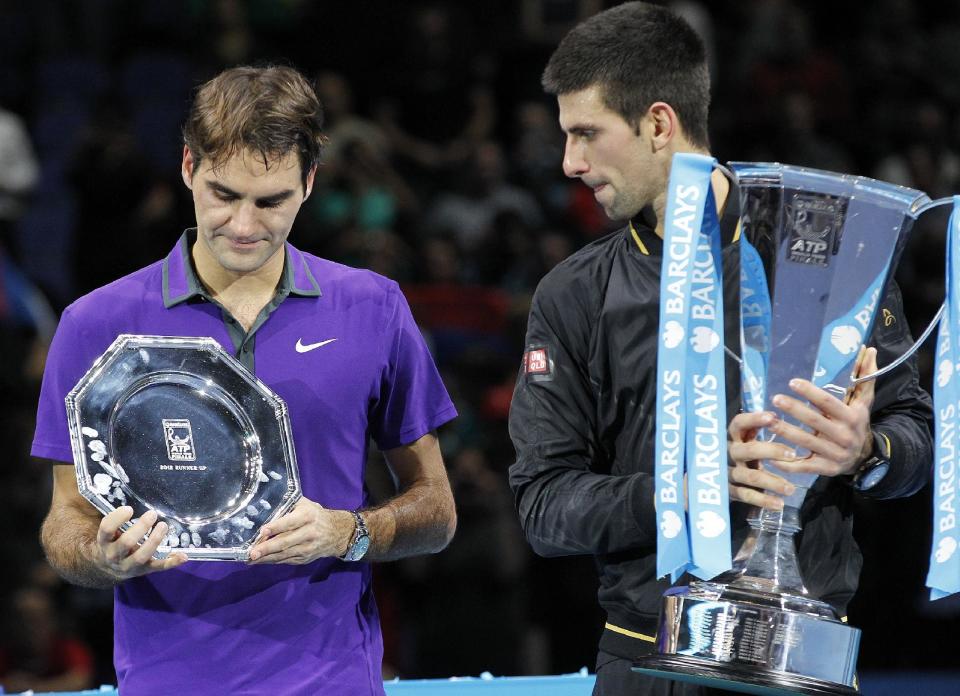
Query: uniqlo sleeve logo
{"x": 537, "y": 363}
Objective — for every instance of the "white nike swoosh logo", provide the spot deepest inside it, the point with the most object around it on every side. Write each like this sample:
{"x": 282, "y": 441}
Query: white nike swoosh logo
{"x": 301, "y": 348}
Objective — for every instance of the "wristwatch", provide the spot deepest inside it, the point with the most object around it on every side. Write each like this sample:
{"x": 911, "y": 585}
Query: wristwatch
{"x": 875, "y": 467}
{"x": 360, "y": 542}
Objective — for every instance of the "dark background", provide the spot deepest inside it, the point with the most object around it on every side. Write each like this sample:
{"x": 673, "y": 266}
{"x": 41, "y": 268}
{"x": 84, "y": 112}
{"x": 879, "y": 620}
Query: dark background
{"x": 444, "y": 174}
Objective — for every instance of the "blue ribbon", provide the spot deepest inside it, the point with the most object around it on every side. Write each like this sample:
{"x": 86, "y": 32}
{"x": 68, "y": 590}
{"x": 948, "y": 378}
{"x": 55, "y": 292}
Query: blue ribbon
{"x": 754, "y": 327}
{"x": 943, "y": 578}
{"x": 709, "y": 504}
{"x": 691, "y": 399}
{"x": 841, "y": 339}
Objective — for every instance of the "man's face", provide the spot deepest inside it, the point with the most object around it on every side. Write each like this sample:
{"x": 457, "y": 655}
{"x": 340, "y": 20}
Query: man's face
{"x": 244, "y": 209}
{"x": 609, "y": 155}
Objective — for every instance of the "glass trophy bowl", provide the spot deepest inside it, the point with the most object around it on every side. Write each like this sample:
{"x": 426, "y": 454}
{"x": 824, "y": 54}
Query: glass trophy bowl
{"x": 179, "y": 426}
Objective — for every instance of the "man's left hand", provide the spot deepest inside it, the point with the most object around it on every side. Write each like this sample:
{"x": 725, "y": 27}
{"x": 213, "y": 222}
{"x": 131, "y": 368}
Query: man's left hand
{"x": 308, "y": 532}
{"x": 841, "y": 438}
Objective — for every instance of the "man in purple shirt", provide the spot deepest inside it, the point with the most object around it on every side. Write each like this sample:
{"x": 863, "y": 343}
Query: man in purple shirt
{"x": 338, "y": 344}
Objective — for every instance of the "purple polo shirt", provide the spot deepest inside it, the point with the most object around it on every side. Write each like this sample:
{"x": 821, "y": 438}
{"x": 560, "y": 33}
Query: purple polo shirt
{"x": 229, "y": 628}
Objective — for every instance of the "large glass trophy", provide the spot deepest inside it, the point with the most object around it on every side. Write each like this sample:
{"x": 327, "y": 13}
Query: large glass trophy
{"x": 177, "y": 425}
{"x": 817, "y": 249}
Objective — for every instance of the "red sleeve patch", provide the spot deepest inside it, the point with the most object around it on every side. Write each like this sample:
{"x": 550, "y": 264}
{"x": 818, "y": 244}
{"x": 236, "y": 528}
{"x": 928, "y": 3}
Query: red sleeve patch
{"x": 536, "y": 362}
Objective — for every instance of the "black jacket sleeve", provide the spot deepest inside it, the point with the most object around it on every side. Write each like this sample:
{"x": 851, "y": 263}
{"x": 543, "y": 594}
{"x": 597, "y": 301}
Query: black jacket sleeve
{"x": 568, "y": 502}
{"x": 902, "y": 411}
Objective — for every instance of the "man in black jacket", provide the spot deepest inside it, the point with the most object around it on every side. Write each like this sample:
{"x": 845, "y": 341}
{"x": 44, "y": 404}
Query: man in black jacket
{"x": 633, "y": 90}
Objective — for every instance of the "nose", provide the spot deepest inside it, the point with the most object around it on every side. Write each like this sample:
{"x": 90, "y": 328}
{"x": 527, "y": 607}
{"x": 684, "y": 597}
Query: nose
{"x": 244, "y": 219}
{"x": 574, "y": 163}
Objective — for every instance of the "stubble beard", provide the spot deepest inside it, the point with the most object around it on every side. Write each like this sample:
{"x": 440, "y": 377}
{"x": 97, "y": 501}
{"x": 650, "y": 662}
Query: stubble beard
{"x": 623, "y": 207}
{"x": 233, "y": 261}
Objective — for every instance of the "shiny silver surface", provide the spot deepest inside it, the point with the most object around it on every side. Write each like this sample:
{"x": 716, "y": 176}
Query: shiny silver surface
{"x": 177, "y": 425}
{"x": 753, "y": 643}
{"x": 742, "y": 679}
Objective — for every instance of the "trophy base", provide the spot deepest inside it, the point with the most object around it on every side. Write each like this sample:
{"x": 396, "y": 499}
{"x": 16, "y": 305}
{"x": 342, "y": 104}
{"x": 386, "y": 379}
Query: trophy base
{"x": 747, "y": 679}
{"x": 740, "y": 637}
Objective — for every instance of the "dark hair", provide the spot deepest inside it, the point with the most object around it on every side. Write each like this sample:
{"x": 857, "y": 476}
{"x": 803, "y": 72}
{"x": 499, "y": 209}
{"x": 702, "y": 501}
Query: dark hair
{"x": 270, "y": 110}
{"x": 637, "y": 54}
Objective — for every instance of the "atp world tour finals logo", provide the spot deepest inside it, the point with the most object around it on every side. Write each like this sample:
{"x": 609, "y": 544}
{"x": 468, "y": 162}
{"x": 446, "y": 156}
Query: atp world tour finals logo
{"x": 816, "y": 223}
{"x": 178, "y": 435}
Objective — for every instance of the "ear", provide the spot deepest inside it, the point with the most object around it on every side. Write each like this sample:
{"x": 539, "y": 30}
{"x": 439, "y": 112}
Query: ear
{"x": 665, "y": 125}
{"x": 186, "y": 167}
{"x": 309, "y": 184}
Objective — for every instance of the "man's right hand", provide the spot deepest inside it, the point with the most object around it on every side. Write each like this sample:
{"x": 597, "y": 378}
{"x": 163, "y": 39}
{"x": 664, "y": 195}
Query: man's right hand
{"x": 121, "y": 555}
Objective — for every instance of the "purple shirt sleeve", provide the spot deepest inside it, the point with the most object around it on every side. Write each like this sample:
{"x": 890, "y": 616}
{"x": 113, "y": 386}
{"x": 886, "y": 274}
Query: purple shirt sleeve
{"x": 71, "y": 355}
{"x": 413, "y": 400}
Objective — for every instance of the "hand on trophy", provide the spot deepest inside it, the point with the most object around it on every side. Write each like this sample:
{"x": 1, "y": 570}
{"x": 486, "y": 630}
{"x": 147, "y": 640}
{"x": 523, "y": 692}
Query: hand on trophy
{"x": 748, "y": 479}
{"x": 308, "y": 532}
{"x": 839, "y": 438}
{"x": 121, "y": 555}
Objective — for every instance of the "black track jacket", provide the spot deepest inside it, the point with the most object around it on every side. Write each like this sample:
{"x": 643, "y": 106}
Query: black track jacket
{"x": 582, "y": 421}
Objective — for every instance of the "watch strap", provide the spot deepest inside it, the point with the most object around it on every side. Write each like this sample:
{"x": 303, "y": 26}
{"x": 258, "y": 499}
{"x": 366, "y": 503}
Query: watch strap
{"x": 874, "y": 467}
{"x": 360, "y": 540}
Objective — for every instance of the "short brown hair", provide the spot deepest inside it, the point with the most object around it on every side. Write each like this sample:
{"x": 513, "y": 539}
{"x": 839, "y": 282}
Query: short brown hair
{"x": 270, "y": 110}
{"x": 638, "y": 54}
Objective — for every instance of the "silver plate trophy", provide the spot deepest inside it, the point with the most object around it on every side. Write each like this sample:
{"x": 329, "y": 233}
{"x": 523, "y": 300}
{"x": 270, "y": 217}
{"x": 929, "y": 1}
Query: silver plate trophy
{"x": 820, "y": 247}
{"x": 178, "y": 425}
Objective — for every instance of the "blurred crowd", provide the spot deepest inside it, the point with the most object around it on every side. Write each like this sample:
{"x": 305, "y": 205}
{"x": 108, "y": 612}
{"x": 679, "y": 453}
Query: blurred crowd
{"x": 444, "y": 173}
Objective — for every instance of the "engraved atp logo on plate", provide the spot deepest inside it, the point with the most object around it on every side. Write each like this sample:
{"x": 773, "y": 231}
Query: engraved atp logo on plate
{"x": 815, "y": 222}
{"x": 178, "y": 435}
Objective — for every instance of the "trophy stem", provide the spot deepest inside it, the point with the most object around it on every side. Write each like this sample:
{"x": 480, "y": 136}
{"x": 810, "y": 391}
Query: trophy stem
{"x": 766, "y": 569}
{"x": 772, "y": 553}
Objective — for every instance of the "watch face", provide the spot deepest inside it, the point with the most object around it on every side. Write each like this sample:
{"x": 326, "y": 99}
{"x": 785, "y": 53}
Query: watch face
{"x": 359, "y": 549}
{"x": 874, "y": 476}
